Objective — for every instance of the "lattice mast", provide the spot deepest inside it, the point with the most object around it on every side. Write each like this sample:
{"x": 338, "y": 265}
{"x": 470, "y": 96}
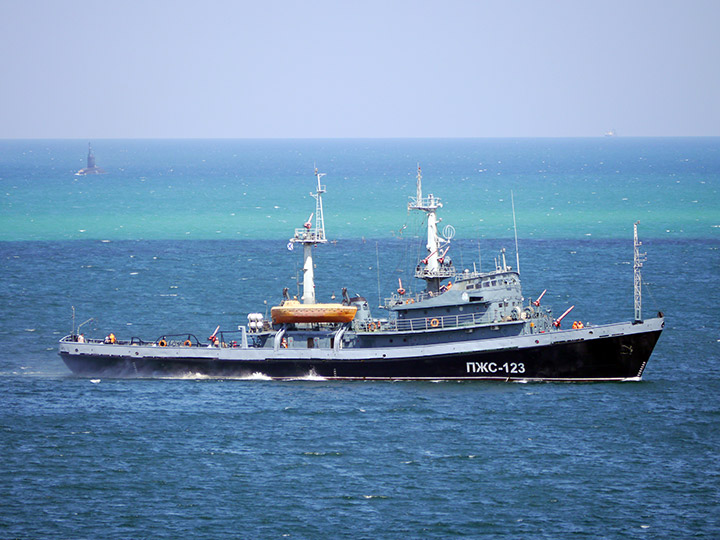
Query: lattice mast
{"x": 309, "y": 236}
{"x": 432, "y": 268}
{"x": 638, "y": 260}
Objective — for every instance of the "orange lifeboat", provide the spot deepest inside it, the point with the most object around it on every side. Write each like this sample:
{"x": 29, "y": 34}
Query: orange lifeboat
{"x": 292, "y": 311}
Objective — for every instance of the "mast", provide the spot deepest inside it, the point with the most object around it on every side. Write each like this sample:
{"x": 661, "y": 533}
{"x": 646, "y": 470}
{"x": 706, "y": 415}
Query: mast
{"x": 517, "y": 251}
{"x": 638, "y": 259}
{"x": 434, "y": 269}
{"x": 309, "y": 236}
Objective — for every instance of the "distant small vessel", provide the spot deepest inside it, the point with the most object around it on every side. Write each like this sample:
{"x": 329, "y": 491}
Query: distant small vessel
{"x": 611, "y": 133}
{"x": 91, "y": 167}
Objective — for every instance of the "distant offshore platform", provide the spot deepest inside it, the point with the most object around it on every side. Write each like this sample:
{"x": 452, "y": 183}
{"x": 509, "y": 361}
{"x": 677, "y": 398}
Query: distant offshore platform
{"x": 91, "y": 167}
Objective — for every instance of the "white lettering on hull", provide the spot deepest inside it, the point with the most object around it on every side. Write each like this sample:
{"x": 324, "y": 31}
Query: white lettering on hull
{"x": 508, "y": 368}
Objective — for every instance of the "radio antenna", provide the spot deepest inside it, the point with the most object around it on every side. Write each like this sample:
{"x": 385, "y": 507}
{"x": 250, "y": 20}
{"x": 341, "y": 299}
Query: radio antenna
{"x": 377, "y": 264}
{"x": 517, "y": 252}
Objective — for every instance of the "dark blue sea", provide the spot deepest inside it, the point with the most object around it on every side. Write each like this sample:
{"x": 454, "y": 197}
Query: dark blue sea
{"x": 187, "y": 235}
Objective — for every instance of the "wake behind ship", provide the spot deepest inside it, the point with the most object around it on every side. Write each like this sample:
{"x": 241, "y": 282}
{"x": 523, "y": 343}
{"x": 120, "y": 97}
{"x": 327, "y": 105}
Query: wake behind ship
{"x": 468, "y": 325}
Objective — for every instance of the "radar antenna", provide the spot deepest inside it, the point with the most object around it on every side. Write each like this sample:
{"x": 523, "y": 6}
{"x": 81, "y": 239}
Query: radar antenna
{"x": 435, "y": 267}
{"x": 309, "y": 236}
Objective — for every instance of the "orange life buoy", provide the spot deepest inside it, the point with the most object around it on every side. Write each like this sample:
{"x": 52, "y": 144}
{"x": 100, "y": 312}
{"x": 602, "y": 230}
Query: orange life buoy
{"x": 188, "y": 343}
{"x": 162, "y": 343}
{"x": 372, "y": 326}
{"x": 434, "y": 323}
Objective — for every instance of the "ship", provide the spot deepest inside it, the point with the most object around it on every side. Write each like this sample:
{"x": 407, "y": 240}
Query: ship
{"x": 91, "y": 167}
{"x": 459, "y": 326}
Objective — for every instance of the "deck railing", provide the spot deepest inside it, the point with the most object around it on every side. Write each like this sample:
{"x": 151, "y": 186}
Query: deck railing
{"x": 425, "y": 323}
{"x": 226, "y": 339}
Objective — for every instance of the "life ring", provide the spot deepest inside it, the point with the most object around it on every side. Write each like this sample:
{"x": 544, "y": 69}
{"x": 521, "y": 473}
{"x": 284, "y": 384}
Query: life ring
{"x": 162, "y": 343}
{"x": 434, "y": 323}
{"x": 188, "y": 343}
{"x": 401, "y": 291}
{"x": 372, "y": 326}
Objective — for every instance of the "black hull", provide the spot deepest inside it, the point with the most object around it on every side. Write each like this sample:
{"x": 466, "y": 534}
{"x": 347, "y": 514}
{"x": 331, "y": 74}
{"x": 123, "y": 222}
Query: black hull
{"x": 614, "y": 358}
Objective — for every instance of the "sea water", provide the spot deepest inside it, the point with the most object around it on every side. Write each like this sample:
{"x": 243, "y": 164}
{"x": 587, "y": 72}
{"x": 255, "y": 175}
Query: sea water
{"x": 183, "y": 236}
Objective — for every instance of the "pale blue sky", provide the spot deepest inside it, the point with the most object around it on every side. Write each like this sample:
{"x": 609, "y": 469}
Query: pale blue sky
{"x": 450, "y": 68}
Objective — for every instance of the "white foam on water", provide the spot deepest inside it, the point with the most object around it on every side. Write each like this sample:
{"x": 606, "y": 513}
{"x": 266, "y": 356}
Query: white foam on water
{"x": 188, "y": 377}
{"x": 311, "y": 376}
{"x": 257, "y": 376}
